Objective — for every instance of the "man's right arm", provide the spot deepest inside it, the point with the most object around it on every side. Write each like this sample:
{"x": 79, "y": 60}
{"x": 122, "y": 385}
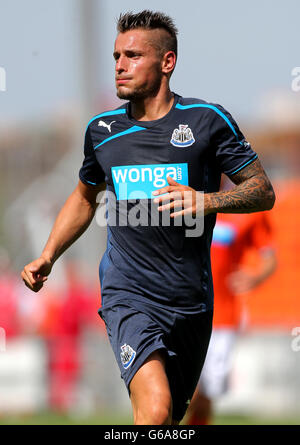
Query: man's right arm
{"x": 71, "y": 222}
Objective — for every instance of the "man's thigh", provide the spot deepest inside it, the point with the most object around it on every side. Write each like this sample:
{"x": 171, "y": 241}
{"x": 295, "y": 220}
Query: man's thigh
{"x": 150, "y": 392}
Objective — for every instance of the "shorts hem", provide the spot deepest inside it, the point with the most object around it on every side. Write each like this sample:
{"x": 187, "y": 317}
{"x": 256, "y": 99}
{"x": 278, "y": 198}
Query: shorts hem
{"x": 141, "y": 359}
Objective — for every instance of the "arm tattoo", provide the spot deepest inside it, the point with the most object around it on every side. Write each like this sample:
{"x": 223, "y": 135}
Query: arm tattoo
{"x": 253, "y": 192}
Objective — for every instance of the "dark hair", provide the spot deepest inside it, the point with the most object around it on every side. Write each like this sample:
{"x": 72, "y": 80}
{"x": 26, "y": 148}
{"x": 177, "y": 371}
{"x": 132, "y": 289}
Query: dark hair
{"x": 151, "y": 20}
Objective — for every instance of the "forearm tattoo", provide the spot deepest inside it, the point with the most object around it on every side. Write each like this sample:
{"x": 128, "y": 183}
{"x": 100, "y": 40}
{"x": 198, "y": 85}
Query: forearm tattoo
{"x": 253, "y": 192}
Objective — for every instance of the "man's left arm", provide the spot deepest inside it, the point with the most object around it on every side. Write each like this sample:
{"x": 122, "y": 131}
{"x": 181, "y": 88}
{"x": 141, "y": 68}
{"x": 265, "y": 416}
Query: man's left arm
{"x": 253, "y": 192}
{"x": 235, "y": 158}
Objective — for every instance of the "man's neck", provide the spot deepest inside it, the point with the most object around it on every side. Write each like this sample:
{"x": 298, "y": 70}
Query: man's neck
{"x": 152, "y": 108}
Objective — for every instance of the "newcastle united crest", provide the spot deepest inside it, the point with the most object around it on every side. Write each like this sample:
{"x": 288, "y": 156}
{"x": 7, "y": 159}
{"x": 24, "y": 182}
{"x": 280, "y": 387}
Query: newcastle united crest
{"x": 182, "y": 137}
{"x": 127, "y": 355}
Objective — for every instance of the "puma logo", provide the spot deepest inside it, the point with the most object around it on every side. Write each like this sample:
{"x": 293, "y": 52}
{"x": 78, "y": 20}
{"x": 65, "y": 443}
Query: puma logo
{"x": 103, "y": 124}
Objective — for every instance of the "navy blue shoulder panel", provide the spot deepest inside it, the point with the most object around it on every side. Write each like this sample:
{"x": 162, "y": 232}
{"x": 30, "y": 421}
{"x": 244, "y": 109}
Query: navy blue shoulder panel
{"x": 118, "y": 111}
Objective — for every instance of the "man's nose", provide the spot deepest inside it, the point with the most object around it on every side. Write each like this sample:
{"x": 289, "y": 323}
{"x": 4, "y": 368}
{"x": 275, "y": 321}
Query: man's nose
{"x": 121, "y": 64}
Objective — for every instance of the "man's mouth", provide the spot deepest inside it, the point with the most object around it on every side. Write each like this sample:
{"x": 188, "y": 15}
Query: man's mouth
{"x": 122, "y": 81}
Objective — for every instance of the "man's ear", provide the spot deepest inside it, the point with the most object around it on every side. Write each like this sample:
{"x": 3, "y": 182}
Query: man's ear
{"x": 168, "y": 62}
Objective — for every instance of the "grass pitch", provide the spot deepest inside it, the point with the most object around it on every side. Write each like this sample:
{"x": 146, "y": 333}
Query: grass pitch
{"x": 104, "y": 418}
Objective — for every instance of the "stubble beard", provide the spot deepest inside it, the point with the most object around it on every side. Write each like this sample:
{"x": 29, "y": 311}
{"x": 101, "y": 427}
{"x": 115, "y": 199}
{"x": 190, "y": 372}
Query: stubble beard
{"x": 140, "y": 93}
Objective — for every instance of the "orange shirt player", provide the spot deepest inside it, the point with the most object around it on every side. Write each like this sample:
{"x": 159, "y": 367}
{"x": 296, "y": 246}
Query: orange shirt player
{"x": 234, "y": 235}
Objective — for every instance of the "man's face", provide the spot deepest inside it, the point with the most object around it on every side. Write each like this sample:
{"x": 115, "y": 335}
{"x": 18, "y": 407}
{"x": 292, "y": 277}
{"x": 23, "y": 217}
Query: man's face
{"x": 138, "y": 64}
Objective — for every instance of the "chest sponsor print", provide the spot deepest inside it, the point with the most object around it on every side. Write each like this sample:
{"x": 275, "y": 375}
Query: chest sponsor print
{"x": 139, "y": 181}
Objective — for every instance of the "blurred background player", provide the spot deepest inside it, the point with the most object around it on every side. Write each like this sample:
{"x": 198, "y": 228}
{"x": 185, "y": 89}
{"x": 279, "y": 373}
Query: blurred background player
{"x": 235, "y": 237}
{"x": 66, "y": 317}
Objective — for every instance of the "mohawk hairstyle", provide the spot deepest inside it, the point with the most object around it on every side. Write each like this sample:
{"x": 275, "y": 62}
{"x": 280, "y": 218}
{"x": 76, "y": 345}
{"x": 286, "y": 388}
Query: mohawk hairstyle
{"x": 151, "y": 20}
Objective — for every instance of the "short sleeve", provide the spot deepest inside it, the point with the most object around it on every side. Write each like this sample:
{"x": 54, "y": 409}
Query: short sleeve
{"x": 90, "y": 171}
{"x": 233, "y": 152}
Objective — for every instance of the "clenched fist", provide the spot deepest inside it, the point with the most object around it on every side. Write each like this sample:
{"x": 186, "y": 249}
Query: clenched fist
{"x": 35, "y": 273}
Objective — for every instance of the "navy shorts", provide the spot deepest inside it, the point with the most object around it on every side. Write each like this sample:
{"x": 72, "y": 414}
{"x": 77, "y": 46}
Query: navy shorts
{"x": 136, "y": 330}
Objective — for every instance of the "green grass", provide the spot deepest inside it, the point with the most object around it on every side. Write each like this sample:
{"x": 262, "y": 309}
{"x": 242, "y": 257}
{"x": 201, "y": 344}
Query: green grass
{"x": 253, "y": 420}
{"x": 50, "y": 418}
{"x": 104, "y": 418}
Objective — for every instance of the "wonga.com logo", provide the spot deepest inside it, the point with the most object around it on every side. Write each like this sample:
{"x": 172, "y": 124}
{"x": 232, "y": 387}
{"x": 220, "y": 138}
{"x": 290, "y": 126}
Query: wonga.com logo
{"x": 139, "y": 181}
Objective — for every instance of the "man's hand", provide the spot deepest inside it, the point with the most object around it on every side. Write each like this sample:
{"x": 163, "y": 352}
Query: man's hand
{"x": 178, "y": 196}
{"x": 242, "y": 281}
{"x": 35, "y": 273}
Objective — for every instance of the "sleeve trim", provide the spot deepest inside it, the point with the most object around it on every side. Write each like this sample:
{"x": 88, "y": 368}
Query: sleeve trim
{"x": 85, "y": 181}
{"x": 244, "y": 165}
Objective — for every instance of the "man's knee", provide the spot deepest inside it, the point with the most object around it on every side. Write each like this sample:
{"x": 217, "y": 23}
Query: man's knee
{"x": 156, "y": 412}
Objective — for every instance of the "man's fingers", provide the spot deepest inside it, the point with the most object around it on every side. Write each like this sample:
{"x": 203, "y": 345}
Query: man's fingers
{"x": 181, "y": 213}
{"x": 32, "y": 277}
{"x": 38, "y": 277}
{"x": 34, "y": 288}
{"x": 36, "y": 273}
{"x": 27, "y": 276}
{"x": 173, "y": 185}
{"x": 176, "y": 204}
{"x": 171, "y": 181}
{"x": 32, "y": 285}
{"x": 171, "y": 196}
{"x": 167, "y": 189}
